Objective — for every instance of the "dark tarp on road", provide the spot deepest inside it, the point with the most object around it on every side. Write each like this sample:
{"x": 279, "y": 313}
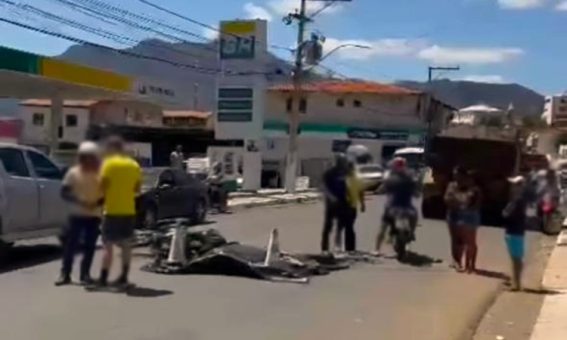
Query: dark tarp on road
{"x": 209, "y": 253}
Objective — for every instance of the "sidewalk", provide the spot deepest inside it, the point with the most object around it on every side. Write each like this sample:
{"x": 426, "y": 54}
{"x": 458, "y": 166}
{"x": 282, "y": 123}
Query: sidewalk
{"x": 552, "y": 321}
{"x": 239, "y": 200}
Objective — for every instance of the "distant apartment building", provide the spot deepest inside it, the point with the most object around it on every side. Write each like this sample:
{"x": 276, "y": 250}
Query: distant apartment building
{"x": 188, "y": 119}
{"x": 10, "y": 130}
{"x": 479, "y": 115}
{"x": 555, "y": 110}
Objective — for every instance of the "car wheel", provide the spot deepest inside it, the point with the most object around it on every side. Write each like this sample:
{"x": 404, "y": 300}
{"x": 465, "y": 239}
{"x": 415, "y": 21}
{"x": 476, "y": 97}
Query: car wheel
{"x": 149, "y": 218}
{"x": 199, "y": 212}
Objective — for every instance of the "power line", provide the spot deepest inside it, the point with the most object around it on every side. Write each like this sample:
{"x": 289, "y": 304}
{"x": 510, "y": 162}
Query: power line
{"x": 204, "y": 70}
{"x": 319, "y": 11}
{"x": 104, "y": 47}
{"x": 118, "y": 15}
{"x": 96, "y": 31}
{"x": 204, "y": 25}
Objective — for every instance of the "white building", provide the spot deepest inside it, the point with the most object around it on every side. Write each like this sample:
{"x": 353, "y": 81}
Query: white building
{"x": 336, "y": 114}
{"x": 479, "y": 115}
{"x": 555, "y": 110}
{"x": 35, "y": 115}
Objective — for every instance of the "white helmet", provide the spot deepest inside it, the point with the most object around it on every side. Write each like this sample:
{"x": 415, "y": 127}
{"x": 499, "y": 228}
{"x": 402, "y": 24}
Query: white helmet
{"x": 88, "y": 148}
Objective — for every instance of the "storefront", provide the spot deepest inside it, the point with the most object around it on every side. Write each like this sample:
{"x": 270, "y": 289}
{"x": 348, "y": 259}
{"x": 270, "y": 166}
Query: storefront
{"x": 318, "y": 144}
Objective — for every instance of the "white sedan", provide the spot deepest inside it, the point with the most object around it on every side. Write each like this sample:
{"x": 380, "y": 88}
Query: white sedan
{"x": 372, "y": 175}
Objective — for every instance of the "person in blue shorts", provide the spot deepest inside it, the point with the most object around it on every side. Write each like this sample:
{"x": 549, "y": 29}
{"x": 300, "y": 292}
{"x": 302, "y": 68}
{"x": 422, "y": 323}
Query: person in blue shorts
{"x": 463, "y": 199}
{"x": 515, "y": 224}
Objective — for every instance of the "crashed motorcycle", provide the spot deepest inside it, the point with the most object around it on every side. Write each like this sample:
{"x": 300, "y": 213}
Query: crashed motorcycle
{"x": 401, "y": 231}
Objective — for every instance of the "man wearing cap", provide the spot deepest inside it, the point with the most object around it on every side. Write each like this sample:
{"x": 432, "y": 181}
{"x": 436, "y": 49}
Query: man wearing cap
{"x": 81, "y": 189}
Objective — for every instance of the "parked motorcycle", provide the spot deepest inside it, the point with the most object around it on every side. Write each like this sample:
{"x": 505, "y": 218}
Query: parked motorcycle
{"x": 551, "y": 218}
{"x": 401, "y": 231}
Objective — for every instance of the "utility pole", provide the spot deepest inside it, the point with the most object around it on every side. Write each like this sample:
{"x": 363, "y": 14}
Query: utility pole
{"x": 297, "y": 78}
{"x": 292, "y": 157}
{"x": 429, "y": 113}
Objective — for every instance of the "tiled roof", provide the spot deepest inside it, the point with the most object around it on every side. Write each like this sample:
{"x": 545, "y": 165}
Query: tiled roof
{"x": 186, "y": 114}
{"x": 66, "y": 103}
{"x": 348, "y": 87}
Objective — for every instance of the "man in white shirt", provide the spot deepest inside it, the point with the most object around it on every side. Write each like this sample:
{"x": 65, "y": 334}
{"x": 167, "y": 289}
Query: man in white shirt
{"x": 176, "y": 158}
{"x": 81, "y": 189}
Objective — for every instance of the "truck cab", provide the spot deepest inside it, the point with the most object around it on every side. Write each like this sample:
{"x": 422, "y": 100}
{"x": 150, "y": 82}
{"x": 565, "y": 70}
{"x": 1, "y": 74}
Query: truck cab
{"x": 30, "y": 201}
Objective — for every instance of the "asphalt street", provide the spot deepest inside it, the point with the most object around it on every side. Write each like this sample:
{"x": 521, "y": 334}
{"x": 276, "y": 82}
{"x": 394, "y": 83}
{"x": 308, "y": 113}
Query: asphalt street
{"x": 386, "y": 300}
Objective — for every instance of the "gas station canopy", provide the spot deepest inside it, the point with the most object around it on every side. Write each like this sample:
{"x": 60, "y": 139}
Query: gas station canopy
{"x": 27, "y": 75}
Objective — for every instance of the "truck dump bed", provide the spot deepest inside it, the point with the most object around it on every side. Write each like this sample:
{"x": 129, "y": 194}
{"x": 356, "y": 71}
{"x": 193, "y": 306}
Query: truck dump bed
{"x": 492, "y": 161}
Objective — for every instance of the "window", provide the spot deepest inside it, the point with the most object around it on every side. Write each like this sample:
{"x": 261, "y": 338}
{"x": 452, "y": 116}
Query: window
{"x": 303, "y": 105}
{"x": 166, "y": 178}
{"x": 356, "y": 103}
{"x": 71, "y": 120}
{"x": 43, "y": 167}
{"x": 14, "y": 162}
{"x": 289, "y": 104}
{"x": 181, "y": 177}
{"x": 340, "y": 102}
{"x": 38, "y": 119}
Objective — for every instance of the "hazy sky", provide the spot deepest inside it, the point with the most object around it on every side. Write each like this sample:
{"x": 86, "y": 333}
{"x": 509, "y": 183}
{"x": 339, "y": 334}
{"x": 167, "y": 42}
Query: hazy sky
{"x": 492, "y": 40}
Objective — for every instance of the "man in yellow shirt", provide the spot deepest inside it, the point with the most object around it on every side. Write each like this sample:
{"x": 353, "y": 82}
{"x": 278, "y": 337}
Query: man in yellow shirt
{"x": 348, "y": 212}
{"x": 120, "y": 180}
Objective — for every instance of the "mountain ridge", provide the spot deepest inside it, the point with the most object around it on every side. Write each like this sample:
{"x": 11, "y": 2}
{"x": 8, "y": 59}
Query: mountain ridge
{"x": 190, "y": 70}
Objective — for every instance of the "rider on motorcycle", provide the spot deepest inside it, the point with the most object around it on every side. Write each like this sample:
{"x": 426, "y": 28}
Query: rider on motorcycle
{"x": 400, "y": 188}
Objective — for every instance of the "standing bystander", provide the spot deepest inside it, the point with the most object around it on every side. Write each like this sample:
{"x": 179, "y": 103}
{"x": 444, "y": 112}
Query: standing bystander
{"x": 463, "y": 200}
{"x": 335, "y": 193}
{"x": 176, "y": 158}
{"x": 347, "y": 217}
{"x": 515, "y": 223}
{"x": 120, "y": 178}
{"x": 82, "y": 190}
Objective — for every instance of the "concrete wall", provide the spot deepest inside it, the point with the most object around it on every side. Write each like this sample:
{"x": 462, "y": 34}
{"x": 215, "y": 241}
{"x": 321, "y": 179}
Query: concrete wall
{"x": 131, "y": 113}
{"x": 555, "y": 110}
{"x": 376, "y": 111}
{"x": 34, "y": 134}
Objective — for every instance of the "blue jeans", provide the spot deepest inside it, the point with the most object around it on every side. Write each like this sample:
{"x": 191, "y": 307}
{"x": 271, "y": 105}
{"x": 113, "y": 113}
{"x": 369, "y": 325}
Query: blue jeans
{"x": 86, "y": 227}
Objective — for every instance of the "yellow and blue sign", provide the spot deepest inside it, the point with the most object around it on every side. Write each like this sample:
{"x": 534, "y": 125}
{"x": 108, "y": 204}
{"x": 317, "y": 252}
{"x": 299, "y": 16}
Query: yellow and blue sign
{"x": 238, "y": 40}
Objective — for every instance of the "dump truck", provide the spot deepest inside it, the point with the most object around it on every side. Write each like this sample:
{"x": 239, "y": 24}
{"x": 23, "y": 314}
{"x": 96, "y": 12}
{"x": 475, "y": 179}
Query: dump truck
{"x": 492, "y": 155}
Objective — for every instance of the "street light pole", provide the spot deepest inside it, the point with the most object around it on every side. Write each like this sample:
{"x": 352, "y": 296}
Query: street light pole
{"x": 365, "y": 47}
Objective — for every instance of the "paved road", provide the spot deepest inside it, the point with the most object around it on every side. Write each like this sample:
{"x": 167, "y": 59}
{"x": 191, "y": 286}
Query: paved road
{"x": 370, "y": 301}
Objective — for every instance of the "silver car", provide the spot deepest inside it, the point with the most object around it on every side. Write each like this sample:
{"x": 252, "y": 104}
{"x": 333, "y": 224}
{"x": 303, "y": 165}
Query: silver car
{"x": 30, "y": 202}
{"x": 371, "y": 175}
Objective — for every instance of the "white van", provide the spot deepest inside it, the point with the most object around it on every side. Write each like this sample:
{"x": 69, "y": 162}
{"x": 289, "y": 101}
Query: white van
{"x": 30, "y": 201}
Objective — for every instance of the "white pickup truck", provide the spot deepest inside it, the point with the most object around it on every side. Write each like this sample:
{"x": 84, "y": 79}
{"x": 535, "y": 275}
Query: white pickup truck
{"x": 30, "y": 201}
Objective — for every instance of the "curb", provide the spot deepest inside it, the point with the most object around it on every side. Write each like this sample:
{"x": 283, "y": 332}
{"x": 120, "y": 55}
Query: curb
{"x": 550, "y": 322}
{"x": 274, "y": 202}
